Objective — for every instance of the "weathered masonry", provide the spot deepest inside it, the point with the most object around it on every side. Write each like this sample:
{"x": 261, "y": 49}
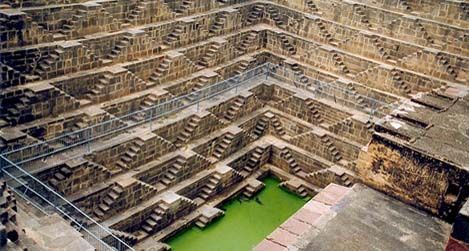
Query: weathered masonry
{"x": 134, "y": 119}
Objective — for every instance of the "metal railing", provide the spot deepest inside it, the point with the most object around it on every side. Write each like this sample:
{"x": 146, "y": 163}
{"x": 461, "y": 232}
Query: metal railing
{"x": 43, "y": 196}
{"x": 119, "y": 124}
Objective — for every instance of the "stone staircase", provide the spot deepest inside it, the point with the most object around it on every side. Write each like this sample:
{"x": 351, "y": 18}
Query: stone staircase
{"x": 255, "y": 14}
{"x": 324, "y": 32}
{"x": 59, "y": 176}
{"x": 121, "y": 45}
{"x": 100, "y": 88}
{"x": 287, "y": 45}
{"x": 108, "y": 201}
{"x": 207, "y": 59}
{"x": 399, "y": 82}
{"x": 242, "y": 66}
{"x": 162, "y": 69}
{"x": 314, "y": 110}
{"x": 173, "y": 172}
{"x": 209, "y": 189}
{"x": 148, "y": 102}
{"x": 292, "y": 164}
{"x": 184, "y": 7}
{"x": 224, "y": 143}
{"x": 423, "y": 31}
{"x": 339, "y": 62}
{"x": 444, "y": 62}
{"x": 254, "y": 160}
{"x": 233, "y": 110}
{"x": 312, "y": 6}
{"x": 130, "y": 155}
{"x": 274, "y": 15}
{"x": 136, "y": 13}
{"x": 299, "y": 73}
{"x": 174, "y": 35}
{"x": 277, "y": 126}
{"x": 325, "y": 139}
{"x": 47, "y": 65}
{"x": 188, "y": 131}
{"x": 260, "y": 128}
{"x": 155, "y": 220}
{"x": 382, "y": 52}
{"x": 128, "y": 238}
{"x": 70, "y": 25}
{"x": 363, "y": 17}
{"x": 357, "y": 96}
{"x": 253, "y": 187}
{"x": 208, "y": 215}
{"x": 247, "y": 42}
{"x": 218, "y": 25}
{"x": 202, "y": 82}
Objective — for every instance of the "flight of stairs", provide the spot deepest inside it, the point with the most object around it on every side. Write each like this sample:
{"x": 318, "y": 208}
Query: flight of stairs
{"x": 339, "y": 62}
{"x": 222, "y": 145}
{"x": 312, "y": 6}
{"x": 277, "y": 126}
{"x": 69, "y": 27}
{"x": 136, "y": 13}
{"x": 424, "y": 32}
{"x": 234, "y": 108}
{"x": 108, "y": 201}
{"x": 120, "y": 45}
{"x": 331, "y": 147}
{"x": 377, "y": 43}
{"x": 154, "y": 221}
{"x": 173, "y": 172}
{"x": 247, "y": 42}
{"x": 148, "y": 101}
{"x": 292, "y": 164}
{"x": 186, "y": 134}
{"x": 183, "y": 7}
{"x": 62, "y": 174}
{"x": 260, "y": 128}
{"x": 218, "y": 24}
{"x": 46, "y": 65}
{"x": 162, "y": 69}
{"x": 346, "y": 181}
{"x": 128, "y": 238}
{"x": 174, "y": 35}
{"x": 299, "y": 73}
{"x": 210, "y": 187}
{"x": 212, "y": 51}
{"x": 324, "y": 32}
{"x": 242, "y": 66}
{"x": 254, "y": 160}
{"x": 444, "y": 62}
{"x": 287, "y": 45}
{"x": 255, "y": 14}
{"x": 130, "y": 155}
{"x": 195, "y": 94}
{"x": 100, "y": 88}
{"x": 314, "y": 110}
{"x": 275, "y": 16}
{"x": 399, "y": 82}
{"x": 363, "y": 17}
{"x": 357, "y": 96}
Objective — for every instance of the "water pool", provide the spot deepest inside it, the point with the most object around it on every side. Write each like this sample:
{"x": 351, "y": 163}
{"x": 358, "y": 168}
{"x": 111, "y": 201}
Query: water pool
{"x": 245, "y": 224}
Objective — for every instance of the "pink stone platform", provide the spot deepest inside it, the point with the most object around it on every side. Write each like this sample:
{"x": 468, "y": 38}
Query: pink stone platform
{"x": 304, "y": 220}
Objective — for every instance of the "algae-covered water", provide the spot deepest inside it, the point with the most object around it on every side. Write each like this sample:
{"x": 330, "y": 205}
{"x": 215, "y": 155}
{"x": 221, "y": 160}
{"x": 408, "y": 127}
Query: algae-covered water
{"x": 245, "y": 224}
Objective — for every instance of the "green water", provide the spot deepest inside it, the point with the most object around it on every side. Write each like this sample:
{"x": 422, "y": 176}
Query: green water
{"x": 245, "y": 223}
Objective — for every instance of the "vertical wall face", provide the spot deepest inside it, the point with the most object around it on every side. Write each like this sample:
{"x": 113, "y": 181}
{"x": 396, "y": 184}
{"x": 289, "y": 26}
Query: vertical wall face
{"x": 412, "y": 176}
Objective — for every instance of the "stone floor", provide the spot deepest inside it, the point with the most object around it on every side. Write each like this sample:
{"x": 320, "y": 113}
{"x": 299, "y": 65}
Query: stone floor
{"x": 357, "y": 218}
